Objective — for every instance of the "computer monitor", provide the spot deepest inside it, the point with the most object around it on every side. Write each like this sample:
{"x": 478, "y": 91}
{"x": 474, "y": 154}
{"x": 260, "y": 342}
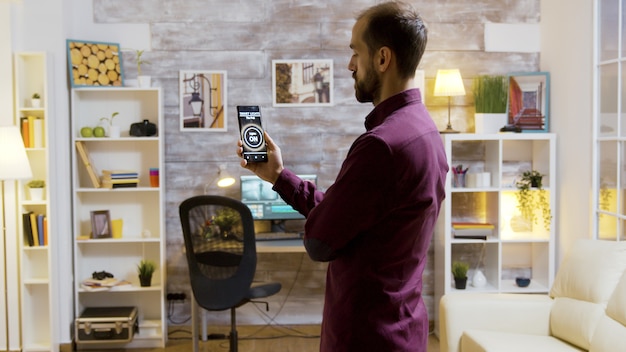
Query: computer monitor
{"x": 266, "y": 204}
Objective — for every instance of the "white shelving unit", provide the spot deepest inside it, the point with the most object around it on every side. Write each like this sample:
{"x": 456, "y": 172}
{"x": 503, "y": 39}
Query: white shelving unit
{"x": 37, "y": 276}
{"x": 140, "y": 208}
{"x": 515, "y": 248}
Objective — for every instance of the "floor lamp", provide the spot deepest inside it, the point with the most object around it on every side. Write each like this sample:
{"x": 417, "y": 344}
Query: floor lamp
{"x": 449, "y": 83}
{"x": 14, "y": 165}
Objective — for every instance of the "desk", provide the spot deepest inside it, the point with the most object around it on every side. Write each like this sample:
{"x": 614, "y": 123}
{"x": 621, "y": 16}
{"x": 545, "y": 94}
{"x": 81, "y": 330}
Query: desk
{"x": 280, "y": 246}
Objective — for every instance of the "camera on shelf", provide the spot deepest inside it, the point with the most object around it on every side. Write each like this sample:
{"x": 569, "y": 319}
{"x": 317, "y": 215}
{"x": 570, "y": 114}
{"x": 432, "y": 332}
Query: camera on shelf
{"x": 101, "y": 275}
{"x": 143, "y": 129}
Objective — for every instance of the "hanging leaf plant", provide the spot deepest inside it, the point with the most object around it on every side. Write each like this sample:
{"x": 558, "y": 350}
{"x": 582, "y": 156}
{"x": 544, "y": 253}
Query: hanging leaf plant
{"x": 532, "y": 196}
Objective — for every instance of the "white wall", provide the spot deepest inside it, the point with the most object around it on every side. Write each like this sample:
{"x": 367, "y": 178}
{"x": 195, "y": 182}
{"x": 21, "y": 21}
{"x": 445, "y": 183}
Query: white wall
{"x": 567, "y": 53}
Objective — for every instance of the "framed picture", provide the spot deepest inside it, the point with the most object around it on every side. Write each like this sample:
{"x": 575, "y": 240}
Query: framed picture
{"x": 203, "y": 101}
{"x": 529, "y": 101}
{"x": 302, "y": 82}
{"x": 100, "y": 224}
{"x": 94, "y": 64}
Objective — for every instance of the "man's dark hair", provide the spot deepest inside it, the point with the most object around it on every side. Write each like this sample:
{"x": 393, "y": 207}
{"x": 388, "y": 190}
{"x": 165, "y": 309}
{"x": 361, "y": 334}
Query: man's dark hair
{"x": 398, "y": 26}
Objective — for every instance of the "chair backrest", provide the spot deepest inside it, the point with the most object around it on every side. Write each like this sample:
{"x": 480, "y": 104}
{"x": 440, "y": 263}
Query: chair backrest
{"x": 220, "y": 249}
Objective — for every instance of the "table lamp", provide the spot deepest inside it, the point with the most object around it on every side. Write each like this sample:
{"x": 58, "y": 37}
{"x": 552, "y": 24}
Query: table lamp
{"x": 449, "y": 83}
{"x": 14, "y": 165}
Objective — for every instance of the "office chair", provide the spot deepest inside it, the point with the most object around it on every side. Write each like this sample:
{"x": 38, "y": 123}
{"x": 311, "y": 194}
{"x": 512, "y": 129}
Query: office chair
{"x": 221, "y": 256}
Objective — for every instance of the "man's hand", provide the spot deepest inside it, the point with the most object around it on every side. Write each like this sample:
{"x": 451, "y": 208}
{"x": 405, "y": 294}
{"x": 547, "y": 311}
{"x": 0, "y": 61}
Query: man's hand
{"x": 270, "y": 170}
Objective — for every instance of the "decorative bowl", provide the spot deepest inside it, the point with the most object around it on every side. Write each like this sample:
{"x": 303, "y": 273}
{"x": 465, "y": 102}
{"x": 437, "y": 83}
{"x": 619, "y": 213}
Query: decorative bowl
{"x": 522, "y": 281}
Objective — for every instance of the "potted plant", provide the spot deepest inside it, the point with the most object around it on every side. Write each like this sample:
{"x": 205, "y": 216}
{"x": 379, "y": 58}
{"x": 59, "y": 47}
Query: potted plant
{"x": 35, "y": 100}
{"x": 144, "y": 81}
{"x": 145, "y": 269}
{"x": 225, "y": 219}
{"x": 531, "y": 196}
{"x": 113, "y": 130}
{"x": 490, "y": 100}
{"x": 459, "y": 271}
{"x": 35, "y": 189}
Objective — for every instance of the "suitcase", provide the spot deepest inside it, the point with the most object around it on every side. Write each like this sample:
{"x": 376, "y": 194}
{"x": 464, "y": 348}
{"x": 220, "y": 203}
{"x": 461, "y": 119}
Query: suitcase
{"x": 106, "y": 325}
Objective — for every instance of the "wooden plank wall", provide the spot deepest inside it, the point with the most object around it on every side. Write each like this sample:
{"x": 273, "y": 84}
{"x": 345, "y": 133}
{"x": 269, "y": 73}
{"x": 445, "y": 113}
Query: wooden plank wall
{"x": 242, "y": 37}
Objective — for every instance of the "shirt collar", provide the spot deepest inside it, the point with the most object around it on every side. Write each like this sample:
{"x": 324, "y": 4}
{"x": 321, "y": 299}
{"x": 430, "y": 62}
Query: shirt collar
{"x": 389, "y": 105}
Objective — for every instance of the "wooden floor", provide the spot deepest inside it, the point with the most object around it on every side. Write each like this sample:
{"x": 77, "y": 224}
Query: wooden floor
{"x": 257, "y": 339}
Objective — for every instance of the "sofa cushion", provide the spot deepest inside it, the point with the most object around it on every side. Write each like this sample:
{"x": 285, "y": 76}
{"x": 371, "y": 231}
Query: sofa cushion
{"x": 575, "y": 321}
{"x": 493, "y": 341}
{"x": 610, "y": 336}
{"x": 616, "y": 308}
{"x": 590, "y": 271}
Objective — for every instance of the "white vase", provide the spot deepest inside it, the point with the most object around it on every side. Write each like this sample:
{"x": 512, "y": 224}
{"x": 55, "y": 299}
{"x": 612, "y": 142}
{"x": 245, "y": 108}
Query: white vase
{"x": 35, "y": 103}
{"x": 144, "y": 81}
{"x": 479, "y": 279}
{"x": 36, "y": 194}
{"x": 489, "y": 123}
{"x": 114, "y": 131}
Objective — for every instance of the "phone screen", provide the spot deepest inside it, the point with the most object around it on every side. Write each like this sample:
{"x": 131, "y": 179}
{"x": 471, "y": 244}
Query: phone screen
{"x": 251, "y": 131}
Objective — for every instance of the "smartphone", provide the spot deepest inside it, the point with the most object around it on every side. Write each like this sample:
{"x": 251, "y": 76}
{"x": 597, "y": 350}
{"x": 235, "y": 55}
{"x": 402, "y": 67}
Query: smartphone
{"x": 251, "y": 130}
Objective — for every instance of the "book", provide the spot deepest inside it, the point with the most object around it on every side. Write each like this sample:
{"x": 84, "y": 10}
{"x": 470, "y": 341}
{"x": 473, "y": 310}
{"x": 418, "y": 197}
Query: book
{"x": 81, "y": 148}
{"x": 31, "y": 131}
{"x": 119, "y": 185}
{"x": 33, "y": 227}
{"x": 28, "y": 232}
{"x": 120, "y": 180}
{"x": 472, "y": 230}
{"x": 113, "y": 174}
{"x": 40, "y": 229}
{"x": 24, "y": 130}
{"x": 37, "y": 133}
{"x": 45, "y": 230}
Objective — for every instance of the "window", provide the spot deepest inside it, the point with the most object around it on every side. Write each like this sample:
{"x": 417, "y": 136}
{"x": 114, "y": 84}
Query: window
{"x": 609, "y": 174}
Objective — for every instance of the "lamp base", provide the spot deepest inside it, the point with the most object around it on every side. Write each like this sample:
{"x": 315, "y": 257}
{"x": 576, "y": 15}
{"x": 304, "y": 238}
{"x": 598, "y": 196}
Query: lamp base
{"x": 449, "y": 129}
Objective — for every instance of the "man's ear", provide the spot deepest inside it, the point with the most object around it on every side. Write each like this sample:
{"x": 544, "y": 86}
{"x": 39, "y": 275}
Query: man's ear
{"x": 384, "y": 58}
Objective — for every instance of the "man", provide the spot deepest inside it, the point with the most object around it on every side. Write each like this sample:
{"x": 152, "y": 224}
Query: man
{"x": 375, "y": 223}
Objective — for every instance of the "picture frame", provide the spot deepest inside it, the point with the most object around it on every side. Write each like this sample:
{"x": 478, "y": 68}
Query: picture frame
{"x": 528, "y": 107}
{"x": 94, "y": 64}
{"x": 101, "y": 224}
{"x": 196, "y": 88}
{"x": 303, "y": 82}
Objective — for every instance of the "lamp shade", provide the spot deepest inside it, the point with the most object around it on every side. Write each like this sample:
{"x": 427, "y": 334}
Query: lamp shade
{"x": 449, "y": 83}
{"x": 13, "y": 160}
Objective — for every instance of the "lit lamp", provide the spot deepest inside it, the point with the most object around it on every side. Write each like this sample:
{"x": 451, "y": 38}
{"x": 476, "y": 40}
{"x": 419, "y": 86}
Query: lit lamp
{"x": 222, "y": 180}
{"x": 449, "y": 83}
{"x": 13, "y": 166}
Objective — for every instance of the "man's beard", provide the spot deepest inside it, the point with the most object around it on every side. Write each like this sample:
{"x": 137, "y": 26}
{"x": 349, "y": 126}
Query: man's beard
{"x": 368, "y": 88}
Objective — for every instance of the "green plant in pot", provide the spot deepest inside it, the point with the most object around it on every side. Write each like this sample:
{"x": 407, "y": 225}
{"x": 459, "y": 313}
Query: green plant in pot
{"x": 145, "y": 269}
{"x": 490, "y": 100}
{"x": 459, "y": 272}
{"x": 531, "y": 196}
{"x": 35, "y": 189}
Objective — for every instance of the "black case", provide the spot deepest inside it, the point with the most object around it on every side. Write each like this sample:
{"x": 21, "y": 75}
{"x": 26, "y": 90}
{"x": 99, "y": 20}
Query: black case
{"x": 106, "y": 325}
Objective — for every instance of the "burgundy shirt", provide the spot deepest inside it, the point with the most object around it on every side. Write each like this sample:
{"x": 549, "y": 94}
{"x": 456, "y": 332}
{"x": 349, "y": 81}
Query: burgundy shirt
{"x": 374, "y": 225}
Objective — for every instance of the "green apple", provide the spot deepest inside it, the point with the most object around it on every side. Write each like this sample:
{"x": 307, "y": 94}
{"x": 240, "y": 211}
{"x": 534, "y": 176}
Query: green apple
{"x": 86, "y": 132}
{"x": 98, "y": 131}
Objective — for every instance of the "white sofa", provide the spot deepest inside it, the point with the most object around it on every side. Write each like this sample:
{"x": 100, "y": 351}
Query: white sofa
{"x": 584, "y": 311}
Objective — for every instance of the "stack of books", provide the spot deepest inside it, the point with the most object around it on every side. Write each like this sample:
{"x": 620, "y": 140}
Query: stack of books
{"x": 472, "y": 230}
{"x": 119, "y": 178}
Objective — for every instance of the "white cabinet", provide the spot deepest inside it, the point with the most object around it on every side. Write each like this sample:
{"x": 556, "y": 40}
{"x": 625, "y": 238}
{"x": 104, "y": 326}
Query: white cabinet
{"x": 516, "y": 247}
{"x": 37, "y": 276}
{"x": 137, "y": 211}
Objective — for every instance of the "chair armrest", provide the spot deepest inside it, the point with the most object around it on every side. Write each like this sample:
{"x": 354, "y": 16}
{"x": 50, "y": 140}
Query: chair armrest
{"x": 520, "y": 313}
